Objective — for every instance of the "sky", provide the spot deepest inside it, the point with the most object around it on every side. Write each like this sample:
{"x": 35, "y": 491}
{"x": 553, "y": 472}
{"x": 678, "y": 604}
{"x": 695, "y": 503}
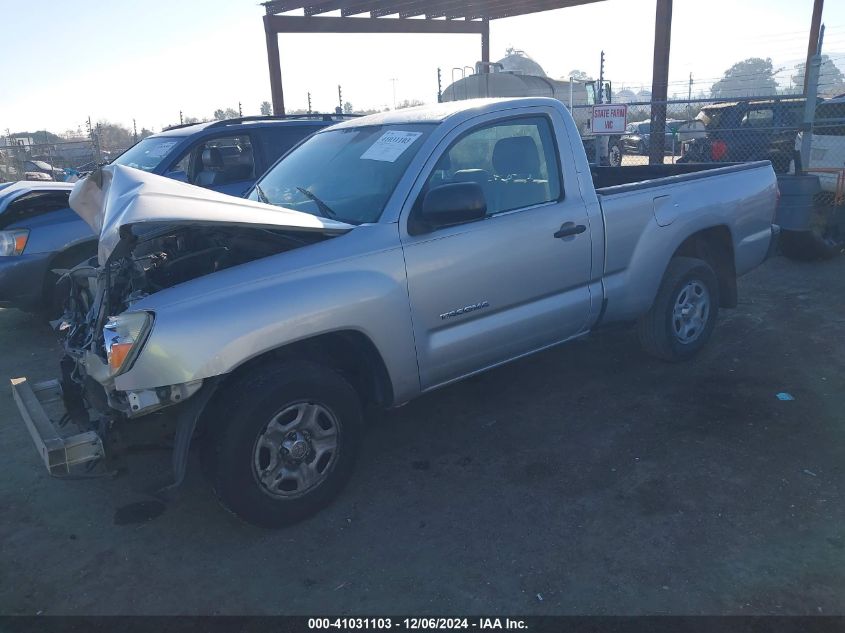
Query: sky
{"x": 147, "y": 61}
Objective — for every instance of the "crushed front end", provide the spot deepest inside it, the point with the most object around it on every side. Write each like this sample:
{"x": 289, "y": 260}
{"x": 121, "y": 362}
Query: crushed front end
{"x": 155, "y": 234}
{"x": 97, "y": 348}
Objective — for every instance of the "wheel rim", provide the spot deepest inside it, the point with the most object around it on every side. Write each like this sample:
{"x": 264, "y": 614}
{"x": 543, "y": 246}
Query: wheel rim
{"x": 690, "y": 312}
{"x": 615, "y": 156}
{"x": 297, "y": 450}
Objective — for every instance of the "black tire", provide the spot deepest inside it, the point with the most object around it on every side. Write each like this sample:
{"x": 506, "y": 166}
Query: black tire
{"x": 657, "y": 327}
{"x": 55, "y": 294}
{"x": 246, "y": 408}
{"x": 614, "y": 158}
{"x": 807, "y": 246}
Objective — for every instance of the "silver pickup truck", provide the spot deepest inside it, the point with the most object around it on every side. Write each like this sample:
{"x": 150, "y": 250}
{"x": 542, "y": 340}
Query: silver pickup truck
{"x": 379, "y": 259}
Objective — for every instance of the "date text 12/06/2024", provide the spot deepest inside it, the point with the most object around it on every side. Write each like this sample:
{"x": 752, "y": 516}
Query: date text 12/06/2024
{"x": 416, "y": 623}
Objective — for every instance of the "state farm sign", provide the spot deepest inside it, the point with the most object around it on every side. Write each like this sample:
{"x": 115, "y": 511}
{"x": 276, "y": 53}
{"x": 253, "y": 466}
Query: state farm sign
{"x": 609, "y": 118}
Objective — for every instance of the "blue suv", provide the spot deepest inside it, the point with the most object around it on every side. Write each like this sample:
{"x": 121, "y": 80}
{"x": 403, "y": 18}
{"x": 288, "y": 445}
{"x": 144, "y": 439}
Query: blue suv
{"x": 39, "y": 232}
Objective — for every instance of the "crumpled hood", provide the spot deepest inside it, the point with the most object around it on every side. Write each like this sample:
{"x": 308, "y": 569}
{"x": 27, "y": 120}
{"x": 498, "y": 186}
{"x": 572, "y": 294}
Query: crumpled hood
{"x": 117, "y": 196}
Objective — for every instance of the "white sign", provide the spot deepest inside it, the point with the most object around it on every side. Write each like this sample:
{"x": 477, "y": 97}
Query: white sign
{"x": 390, "y": 145}
{"x": 610, "y": 118}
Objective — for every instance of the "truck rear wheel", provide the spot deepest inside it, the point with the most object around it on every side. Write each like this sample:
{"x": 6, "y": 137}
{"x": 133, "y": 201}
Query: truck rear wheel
{"x": 283, "y": 443}
{"x": 684, "y": 313}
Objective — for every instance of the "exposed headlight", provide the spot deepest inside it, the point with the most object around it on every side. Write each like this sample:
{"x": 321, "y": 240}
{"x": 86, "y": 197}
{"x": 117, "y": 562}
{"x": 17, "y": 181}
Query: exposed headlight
{"x": 124, "y": 336}
{"x": 13, "y": 242}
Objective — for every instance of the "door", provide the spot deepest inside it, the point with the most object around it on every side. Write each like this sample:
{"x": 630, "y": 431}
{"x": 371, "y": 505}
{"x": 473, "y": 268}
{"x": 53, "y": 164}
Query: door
{"x": 755, "y": 134}
{"x": 224, "y": 163}
{"x": 490, "y": 290}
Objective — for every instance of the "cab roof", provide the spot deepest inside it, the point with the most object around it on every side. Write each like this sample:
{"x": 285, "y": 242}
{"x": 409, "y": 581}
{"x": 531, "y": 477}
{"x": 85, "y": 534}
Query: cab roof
{"x": 315, "y": 120}
{"x": 439, "y": 112}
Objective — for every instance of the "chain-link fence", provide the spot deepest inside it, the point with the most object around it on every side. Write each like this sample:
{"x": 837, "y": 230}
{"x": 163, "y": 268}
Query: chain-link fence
{"x": 23, "y": 159}
{"x": 743, "y": 130}
{"x": 699, "y": 130}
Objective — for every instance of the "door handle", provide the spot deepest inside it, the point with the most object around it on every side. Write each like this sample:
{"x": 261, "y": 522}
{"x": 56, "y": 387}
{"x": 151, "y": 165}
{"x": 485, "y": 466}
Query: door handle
{"x": 569, "y": 229}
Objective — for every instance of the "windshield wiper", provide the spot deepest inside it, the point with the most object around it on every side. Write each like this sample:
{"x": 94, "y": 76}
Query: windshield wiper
{"x": 262, "y": 197}
{"x": 325, "y": 210}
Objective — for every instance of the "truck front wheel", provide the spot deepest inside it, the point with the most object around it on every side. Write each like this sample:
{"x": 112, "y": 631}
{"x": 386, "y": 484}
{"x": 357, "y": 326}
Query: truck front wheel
{"x": 684, "y": 313}
{"x": 283, "y": 443}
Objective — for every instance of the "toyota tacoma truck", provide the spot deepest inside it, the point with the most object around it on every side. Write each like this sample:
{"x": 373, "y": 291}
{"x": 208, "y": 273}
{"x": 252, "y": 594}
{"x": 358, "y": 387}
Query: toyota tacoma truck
{"x": 380, "y": 259}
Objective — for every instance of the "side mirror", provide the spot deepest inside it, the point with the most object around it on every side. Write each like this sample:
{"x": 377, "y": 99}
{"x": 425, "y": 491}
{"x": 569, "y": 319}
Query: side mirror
{"x": 452, "y": 204}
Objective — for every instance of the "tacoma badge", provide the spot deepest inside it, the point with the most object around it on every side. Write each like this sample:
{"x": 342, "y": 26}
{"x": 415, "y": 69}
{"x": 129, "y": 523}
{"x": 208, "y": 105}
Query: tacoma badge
{"x": 465, "y": 309}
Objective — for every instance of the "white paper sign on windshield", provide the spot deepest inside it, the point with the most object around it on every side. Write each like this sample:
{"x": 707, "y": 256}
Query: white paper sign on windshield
{"x": 390, "y": 145}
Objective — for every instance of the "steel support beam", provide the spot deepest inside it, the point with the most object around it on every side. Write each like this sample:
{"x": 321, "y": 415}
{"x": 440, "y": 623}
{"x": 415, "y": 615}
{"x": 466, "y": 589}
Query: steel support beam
{"x": 815, "y": 26}
{"x": 485, "y": 47}
{"x": 275, "y": 67}
{"x": 660, "y": 80}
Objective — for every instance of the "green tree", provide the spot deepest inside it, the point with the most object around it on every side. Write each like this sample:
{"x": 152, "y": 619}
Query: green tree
{"x": 113, "y": 136}
{"x": 749, "y": 78}
{"x": 266, "y": 108}
{"x": 347, "y": 108}
{"x": 229, "y": 113}
{"x": 578, "y": 75}
{"x": 409, "y": 103}
{"x": 831, "y": 79}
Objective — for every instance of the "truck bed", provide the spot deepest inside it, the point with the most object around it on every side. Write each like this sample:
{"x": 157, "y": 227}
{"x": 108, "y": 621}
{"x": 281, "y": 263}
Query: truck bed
{"x": 651, "y": 209}
{"x": 611, "y": 180}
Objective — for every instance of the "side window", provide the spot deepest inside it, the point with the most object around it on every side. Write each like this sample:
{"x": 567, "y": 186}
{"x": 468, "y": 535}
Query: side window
{"x": 218, "y": 161}
{"x": 762, "y": 118}
{"x": 277, "y": 140}
{"x": 513, "y": 161}
{"x": 790, "y": 116}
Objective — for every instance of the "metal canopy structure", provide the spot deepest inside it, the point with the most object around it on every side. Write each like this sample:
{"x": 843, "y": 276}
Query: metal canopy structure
{"x": 389, "y": 16}
{"x": 429, "y": 9}
{"x": 436, "y": 16}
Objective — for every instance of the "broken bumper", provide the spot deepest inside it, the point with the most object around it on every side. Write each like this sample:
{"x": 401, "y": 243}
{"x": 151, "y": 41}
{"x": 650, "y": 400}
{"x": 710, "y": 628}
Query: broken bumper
{"x": 62, "y": 455}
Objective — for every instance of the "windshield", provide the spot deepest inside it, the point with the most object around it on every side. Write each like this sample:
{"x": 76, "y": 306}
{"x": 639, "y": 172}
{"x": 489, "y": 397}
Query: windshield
{"x": 148, "y": 153}
{"x": 347, "y": 174}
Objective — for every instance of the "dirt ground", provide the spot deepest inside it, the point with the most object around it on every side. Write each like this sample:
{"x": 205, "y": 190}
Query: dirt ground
{"x": 589, "y": 479}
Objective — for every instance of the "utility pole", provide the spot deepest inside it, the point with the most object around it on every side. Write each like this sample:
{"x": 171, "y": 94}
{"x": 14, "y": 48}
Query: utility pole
{"x": 660, "y": 79}
{"x": 339, "y": 100}
{"x": 689, "y": 98}
{"x": 811, "y": 78}
{"x": 134, "y": 130}
{"x": 393, "y": 80}
{"x": 180, "y": 118}
{"x": 309, "y": 103}
{"x": 439, "y": 88}
{"x": 240, "y": 109}
{"x": 599, "y": 140}
{"x": 813, "y": 45}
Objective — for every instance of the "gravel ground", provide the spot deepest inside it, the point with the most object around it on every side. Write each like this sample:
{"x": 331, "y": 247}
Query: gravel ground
{"x": 588, "y": 479}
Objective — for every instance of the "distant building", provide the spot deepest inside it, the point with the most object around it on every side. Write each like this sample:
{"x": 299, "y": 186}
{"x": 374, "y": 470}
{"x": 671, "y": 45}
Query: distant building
{"x": 625, "y": 96}
{"x": 16, "y": 141}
